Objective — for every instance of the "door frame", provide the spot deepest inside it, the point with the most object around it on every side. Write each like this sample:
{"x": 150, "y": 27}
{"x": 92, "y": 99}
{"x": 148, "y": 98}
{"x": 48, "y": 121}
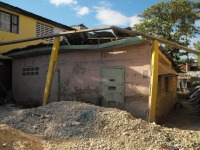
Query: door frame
{"x": 123, "y": 76}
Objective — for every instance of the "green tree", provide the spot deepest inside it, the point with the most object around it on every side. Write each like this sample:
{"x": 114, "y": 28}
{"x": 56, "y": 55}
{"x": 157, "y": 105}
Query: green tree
{"x": 197, "y": 46}
{"x": 173, "y": 20}
{"x": 197, "y": 8}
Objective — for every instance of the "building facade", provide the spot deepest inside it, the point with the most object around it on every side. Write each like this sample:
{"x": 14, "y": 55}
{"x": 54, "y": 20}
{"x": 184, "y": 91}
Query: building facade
{"x": 19, "y": 24}
{"x": 115, "y": 74}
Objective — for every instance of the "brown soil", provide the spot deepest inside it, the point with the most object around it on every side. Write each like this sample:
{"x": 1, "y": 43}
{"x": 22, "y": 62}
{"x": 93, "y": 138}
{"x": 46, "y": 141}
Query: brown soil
{"x": 12, "y": 139}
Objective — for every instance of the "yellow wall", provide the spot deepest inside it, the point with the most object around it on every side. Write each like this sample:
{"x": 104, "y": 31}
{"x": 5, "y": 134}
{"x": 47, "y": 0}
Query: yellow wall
{"x": 166, "y": 98}
{"x": 27, "y": 29}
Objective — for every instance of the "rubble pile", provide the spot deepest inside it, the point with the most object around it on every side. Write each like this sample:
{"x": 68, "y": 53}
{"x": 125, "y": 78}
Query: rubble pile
{"x": 83, "y": 126}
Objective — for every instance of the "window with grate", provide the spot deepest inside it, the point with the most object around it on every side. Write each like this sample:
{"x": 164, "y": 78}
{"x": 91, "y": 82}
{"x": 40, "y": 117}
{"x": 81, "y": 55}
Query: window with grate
{"x": 9, "y": 22}
{"x": 42, "y": 30}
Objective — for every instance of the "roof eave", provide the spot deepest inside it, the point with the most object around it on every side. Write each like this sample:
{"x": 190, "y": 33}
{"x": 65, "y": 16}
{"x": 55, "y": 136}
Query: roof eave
{"x": 67, "y": 48}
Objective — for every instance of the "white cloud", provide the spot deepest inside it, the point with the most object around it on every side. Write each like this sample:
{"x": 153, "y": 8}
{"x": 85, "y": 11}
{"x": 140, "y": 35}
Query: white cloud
{"x": 134, "y": 20}
{"x": 107, "y": 16}
{"x": 81, "y": 11}
{"x": 105, "y": 4}
{"x": 63, "y": 2}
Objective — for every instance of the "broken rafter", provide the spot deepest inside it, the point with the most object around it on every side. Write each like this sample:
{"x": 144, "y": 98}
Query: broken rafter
{"x": 114, "y": 29}
{"x": 54, "y": 35}
{"x": 163, "y": 41}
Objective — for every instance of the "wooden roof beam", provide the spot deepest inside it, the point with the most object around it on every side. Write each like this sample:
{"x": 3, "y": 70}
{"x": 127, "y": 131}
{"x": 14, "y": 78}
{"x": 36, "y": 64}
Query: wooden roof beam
{"x": 54, "y": 35}
{"x": 163, "y": 41}
{"x": 133, "y": 33}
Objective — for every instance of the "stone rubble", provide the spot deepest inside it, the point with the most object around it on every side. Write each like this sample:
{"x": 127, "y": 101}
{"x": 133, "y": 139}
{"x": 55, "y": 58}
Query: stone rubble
{"x": 78, "y": 126}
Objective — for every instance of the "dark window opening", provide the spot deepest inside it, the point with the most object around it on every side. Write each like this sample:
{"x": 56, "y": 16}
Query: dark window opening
{"x": 112, "y": 80}
{"x": 9, "y": 22}
{"x": 112, "y": 88}
{"x": 167, "y": 84}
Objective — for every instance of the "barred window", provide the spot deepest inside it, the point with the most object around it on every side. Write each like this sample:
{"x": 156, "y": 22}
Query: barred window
{"x": 9, "y": 22}
{"x": 42, "y": 30}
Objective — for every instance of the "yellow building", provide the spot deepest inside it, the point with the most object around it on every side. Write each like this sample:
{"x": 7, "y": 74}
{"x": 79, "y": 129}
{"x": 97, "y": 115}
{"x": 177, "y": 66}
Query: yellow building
{"x": 16, "y": 24}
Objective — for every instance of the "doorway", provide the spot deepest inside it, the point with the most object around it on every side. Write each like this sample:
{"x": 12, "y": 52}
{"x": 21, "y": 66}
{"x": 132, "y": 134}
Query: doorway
{"x": 112, "y": 87}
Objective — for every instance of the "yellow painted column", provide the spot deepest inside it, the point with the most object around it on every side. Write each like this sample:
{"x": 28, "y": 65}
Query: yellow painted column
{"x": 154, "y": 81}
{"x": 52, "y": 62}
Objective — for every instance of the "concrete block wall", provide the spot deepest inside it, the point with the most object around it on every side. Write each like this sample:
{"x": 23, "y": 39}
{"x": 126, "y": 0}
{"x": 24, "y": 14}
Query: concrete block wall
{"x": 79, "y": 76}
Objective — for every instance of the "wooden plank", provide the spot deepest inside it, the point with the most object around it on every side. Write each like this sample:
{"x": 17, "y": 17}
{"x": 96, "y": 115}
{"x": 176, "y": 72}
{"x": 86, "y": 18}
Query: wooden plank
{"x": 54, "y": 35}
{"x": 154, "y": 82}
{"x": 53, "y": 59}
{"x": 133, "y": 33}
{"x": 159, "y": 39}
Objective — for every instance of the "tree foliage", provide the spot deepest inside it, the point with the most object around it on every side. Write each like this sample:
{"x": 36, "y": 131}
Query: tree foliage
{"x": 197, "y": 8}
{"x": 173, "y": 20}
{"x": 197, "y": 45}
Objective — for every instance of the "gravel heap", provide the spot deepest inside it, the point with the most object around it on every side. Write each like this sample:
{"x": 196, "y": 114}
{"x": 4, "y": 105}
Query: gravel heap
{"x": 93, "y": 127}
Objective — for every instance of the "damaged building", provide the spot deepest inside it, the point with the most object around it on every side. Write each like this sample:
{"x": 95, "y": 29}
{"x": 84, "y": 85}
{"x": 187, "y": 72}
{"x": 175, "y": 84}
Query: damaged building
{"x": 110, "y": 68}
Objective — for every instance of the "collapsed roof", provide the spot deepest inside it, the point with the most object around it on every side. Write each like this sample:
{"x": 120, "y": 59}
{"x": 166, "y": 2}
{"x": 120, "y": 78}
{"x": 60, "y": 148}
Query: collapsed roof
{"x": 115, "y": 32}
{"x": 96, "y": 38}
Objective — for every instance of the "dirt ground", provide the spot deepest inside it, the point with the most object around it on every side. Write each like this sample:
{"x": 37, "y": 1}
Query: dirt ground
{"x": 12, "y": 139}
{"x": 77, "y": 126}
{"x": 187, "y": 117}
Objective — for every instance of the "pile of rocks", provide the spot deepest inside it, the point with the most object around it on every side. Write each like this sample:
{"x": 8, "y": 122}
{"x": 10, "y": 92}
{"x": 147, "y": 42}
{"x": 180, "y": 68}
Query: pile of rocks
{"x": 92, "y": 127}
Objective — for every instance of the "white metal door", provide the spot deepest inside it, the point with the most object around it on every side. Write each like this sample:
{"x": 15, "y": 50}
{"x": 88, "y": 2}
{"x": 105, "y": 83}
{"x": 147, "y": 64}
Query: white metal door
{"x": 112, "y": 87}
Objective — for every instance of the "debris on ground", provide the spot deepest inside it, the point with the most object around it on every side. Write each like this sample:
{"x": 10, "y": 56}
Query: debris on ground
{"x": 194, "y": 97}
{"x": 75, "y": 125}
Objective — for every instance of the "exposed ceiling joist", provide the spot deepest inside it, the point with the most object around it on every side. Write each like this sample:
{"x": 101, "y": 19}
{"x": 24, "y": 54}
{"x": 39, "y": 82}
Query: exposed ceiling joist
{"x": 113, "y": 28}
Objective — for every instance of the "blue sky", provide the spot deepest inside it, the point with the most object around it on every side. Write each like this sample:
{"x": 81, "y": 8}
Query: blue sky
{"x": 92, "y": 13}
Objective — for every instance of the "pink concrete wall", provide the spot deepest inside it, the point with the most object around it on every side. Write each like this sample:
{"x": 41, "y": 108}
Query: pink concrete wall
{"x": 80, "y": 76}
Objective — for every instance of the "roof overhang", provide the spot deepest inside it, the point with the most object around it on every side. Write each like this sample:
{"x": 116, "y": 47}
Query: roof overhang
{"x": 25, "y": 52}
